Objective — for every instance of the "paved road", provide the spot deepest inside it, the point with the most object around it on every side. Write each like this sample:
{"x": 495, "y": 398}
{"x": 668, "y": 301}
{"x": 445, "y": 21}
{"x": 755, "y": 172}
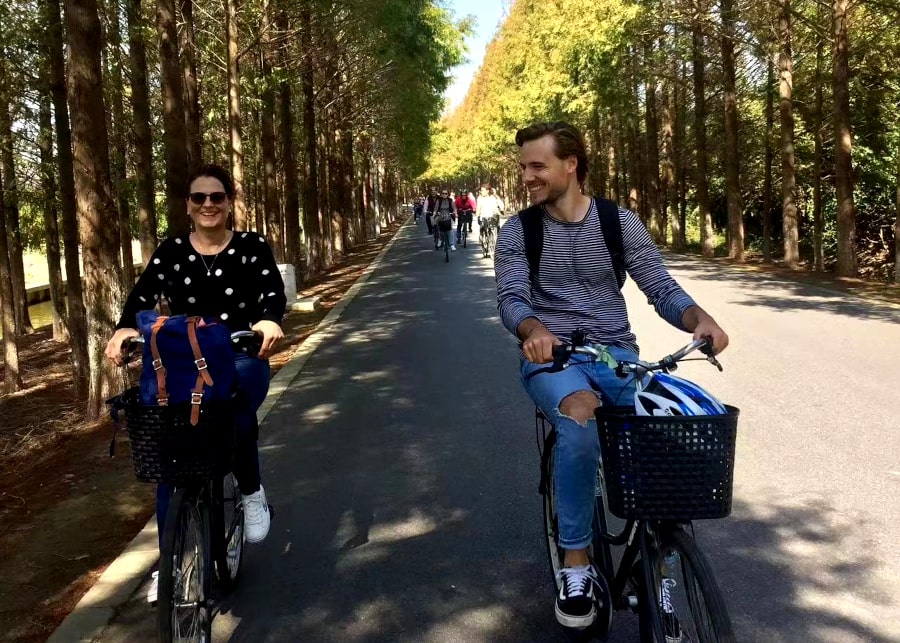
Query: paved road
{"x": 404, "y": 470}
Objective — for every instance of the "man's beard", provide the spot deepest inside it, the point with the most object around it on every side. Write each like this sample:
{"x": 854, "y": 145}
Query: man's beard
{"x": 553, "y": 195}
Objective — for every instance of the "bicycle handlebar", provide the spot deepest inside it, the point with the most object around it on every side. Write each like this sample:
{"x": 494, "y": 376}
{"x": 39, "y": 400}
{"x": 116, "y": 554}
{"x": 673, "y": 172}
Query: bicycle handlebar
{"x": 600, "y": 353}
{"x": 242, "y": 340}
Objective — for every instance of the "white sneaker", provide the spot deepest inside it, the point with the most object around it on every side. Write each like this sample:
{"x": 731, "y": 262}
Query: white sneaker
{"x": 256, "y": 516}
{"x": 453, "y": 248}
{"x": 153, "y": 590}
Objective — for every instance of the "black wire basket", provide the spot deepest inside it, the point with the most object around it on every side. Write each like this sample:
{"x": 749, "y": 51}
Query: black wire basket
{"x": 166, "y": 448}
{"x": 667, "y": 468}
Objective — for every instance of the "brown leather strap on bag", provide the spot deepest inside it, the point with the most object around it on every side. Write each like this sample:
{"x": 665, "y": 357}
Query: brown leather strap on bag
{"x": 162, "y": 394}
{"x": 203, "y": 376}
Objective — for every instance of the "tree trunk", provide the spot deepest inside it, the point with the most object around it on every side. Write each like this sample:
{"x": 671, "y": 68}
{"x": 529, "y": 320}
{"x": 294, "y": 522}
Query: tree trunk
{"x": 77, "y": 316}
{"x": 174, "y": 139}
{"x": 12, "y": 379}
{"x": 51, "y": 212}
{"x": 143, "y": 136}
{"x": 790, "y": 223}
{"x": 267, "y": 121}
{"x": 667, "y": 189}
{"x": 652, "y": 146}
{"x": 191, "y": 92}
{"x": 768, "y": 195}
{"x": 706, "y": 230}
{"x": 96, "y": 207}
{"x": 597, "y": 182}
{"x": 289, "y": 163}
{"x": 311, "y": 177}
{"x": 236, "y": 149}
{"x": 612, "y": 166}
{"x": 117, "y": 142}
{"x": 818, "y": 153}
{"x": 12, "y": 214}
{"x": 843, "y": 161}
{"x": 897, "y": 227}
{"x": 732, "y": 163}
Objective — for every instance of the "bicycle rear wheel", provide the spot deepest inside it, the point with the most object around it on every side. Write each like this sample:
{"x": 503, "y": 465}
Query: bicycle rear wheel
{"x": 555, "y": 554}
{"x": 229, "y": 521}
{"x": 182, "y": 610}
{"x": 682, "y": 601}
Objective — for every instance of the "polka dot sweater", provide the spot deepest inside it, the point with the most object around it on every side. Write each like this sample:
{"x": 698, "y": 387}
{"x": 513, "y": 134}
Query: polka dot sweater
{"x": 240, "y": 286}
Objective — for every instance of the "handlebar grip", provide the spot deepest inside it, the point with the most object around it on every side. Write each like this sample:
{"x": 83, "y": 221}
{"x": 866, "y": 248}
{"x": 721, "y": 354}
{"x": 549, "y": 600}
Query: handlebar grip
{"x": 561, "y": 354}
{"x": 707, "y": 347}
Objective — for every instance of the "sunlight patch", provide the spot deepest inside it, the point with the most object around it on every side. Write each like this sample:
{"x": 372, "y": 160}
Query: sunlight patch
{"x": 321, "y": 412}
{"x": 477, "y": 624}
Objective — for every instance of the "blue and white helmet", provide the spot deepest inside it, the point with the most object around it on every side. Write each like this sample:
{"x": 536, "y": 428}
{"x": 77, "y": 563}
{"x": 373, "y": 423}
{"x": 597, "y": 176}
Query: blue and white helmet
{"x": 669, "y": 395}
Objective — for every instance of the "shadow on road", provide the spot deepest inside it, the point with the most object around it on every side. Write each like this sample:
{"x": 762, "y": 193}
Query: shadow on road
{"x": 757, "y": 286}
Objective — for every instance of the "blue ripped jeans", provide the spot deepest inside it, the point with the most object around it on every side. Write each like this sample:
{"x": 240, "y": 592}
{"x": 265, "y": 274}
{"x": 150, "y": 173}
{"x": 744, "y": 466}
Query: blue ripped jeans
{"x": 577, "y": 446}
{"x": 253, "y": 378}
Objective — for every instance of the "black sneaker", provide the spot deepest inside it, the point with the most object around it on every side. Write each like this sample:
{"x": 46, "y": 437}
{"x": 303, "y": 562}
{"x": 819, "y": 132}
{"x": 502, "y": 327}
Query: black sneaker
{"x": 576, "y": 603}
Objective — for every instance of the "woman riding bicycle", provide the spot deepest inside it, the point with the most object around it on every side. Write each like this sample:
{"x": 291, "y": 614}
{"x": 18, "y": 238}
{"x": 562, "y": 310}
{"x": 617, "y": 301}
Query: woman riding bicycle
{"x": 214, "y": 272}
{"x": 575, "y": 285}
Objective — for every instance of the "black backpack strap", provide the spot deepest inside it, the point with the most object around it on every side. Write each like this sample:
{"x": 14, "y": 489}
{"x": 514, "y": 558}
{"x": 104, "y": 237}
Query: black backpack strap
{"x": 532, "y": 220}
{"x": 611, "y": 225}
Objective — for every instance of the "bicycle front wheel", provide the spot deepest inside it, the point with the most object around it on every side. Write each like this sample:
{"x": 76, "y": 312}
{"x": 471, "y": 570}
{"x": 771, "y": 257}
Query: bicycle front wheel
{"x": 682, "y": 601}
{"x": 229, "y": 520}
{"x": 184, "y": 572}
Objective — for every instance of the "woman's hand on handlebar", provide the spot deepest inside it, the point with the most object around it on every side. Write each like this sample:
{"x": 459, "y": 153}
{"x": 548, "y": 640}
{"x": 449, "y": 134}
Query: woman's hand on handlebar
{"x": 114, "y": 346}
{"x": 271, "y": 333}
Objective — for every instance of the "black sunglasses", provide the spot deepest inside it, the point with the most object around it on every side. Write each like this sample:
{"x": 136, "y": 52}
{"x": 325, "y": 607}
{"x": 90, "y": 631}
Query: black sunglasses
{"x": 199, "y": 198}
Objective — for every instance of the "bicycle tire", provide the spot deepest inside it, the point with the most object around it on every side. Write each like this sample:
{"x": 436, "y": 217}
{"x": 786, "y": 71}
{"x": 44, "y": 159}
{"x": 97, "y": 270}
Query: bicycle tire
{"x": 229, "y": 521}
{"x": 551, "y": 523}
{"x": 182, "y": 608}
{"x": 678, "y": 580}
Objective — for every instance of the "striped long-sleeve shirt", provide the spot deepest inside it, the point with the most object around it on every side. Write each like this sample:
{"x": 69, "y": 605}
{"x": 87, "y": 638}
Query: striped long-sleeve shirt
{"x": 575, "y": 286}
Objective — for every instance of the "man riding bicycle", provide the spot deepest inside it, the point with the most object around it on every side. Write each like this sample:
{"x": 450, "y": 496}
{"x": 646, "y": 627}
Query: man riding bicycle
{"x": 575, "y": 285}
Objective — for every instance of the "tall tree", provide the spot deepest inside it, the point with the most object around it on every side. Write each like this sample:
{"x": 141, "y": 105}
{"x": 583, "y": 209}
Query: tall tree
{"x": 143, "y": 136}
{"x": 843, "y": 139}
{"x": 732, "y": 162}
{"x": 51, "y": 210}
{"x": 236, "y": 148}
{"x": 702, "y": 180}
{"x": 118, "y": 135}
{"x": 819, "y": 151}
{"x": 288, "y": 160}
{"x": 77, "y": 316}
{"x": 96, "y": 206}
{"x": 12, "y": 212}
{"x": 651, "y": 123}
{"x": 311, "y": 206}
{"x": 191, "y": 89}
{"x": 267, "y": 139}
{"x": 790, "y": 223}
{"x": 12, "y": 380}
{"x": 768, "y": 195}
{"x": 174, "y": 137}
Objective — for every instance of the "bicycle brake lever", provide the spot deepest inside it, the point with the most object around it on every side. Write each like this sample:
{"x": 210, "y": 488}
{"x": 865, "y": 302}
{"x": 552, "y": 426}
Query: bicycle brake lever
{"x": 712, "y": 360}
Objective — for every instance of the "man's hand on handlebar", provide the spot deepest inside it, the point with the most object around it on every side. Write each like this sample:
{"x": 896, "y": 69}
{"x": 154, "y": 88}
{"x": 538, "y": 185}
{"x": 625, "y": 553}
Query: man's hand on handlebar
{"x": 538, "y": 344}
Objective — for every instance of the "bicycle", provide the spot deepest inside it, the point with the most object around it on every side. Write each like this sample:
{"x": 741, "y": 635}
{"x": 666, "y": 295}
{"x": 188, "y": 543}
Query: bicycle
{"x": 443, "y": 235}
{"x": 465, "y": 220}
{"x": 658, "y": 474}
{"x": 487, "y": 227}
{"x": 194, "y": 564}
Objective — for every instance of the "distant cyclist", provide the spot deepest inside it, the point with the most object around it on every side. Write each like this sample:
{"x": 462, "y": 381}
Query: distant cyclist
{"x": 418, "y": 209}
{"x": 444, "y": 214}
{"x": 465, "y": 207}
{"x": 428, "y": 209}
{"x": 575, "y": 286}
{"x": 489, "y": 207}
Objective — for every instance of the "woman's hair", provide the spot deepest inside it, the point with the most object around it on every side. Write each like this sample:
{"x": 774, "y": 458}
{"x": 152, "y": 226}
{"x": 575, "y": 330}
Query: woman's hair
{"x": 213, "y": 171}
{"x": 568, "y": 142}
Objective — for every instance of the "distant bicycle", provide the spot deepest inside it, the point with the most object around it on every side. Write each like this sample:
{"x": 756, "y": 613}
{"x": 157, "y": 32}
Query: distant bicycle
{"x": 465, "y": 220}
{"x": 202, "y": 542}
{"x": 487, "y": 232}
{"x": 658, "y": 473}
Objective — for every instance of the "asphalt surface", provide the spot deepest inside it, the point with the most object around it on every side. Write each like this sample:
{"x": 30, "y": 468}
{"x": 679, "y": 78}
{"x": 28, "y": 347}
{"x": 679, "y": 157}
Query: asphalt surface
{"x": 403, "y": 467}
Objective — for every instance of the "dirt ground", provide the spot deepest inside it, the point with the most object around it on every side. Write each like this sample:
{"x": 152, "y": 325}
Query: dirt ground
{"x": 66, "y": 508}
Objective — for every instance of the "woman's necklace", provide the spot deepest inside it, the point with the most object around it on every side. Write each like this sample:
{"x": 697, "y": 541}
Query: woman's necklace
{"x": 210, "y": 266}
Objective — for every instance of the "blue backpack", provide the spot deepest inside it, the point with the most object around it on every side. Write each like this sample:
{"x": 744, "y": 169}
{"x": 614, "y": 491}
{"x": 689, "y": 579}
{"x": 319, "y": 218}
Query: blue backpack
{"x": 186, "y": 359}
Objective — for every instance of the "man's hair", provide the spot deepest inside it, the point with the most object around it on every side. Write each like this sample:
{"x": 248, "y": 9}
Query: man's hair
{"x": 213, "y": 171}
{"x": 568, "y": 142}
